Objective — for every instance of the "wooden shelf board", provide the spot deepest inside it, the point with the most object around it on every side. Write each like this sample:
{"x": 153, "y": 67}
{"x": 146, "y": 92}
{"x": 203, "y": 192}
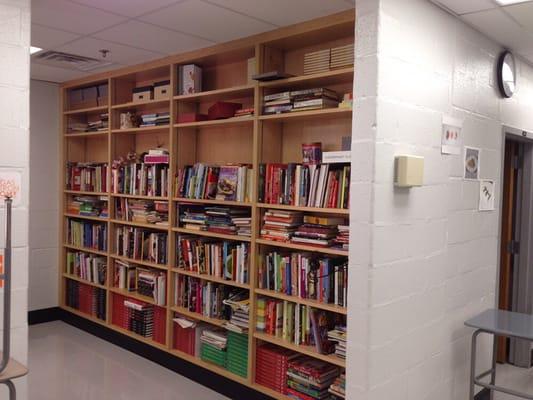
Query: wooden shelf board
{"x": 341, "y": 211}
{"x": 85, "y": 193}
{"x": 321, "y": 79}
{"x": 87, "y": 316}
{"x": 142, "y": 129}
{"x": 270, "y": 392}
{"x": 233, "y": 121}
{"x": 213, "y": 234}
{"x": 86, "y": 110}
{"x": 135, "y": 295}
{"x": 141, "y": 225}
{"x": 214, "y": 202}
{"x": 311, "y": 114}
{"x": 137, "y": 337}
{"x": 307, "y": 350}
{"x": 211, "y": 278}
{"x": 86, "y": 134}
{"x": 140, "y": 262}
{"x": 85, "y": 281}
{"x": 140, "y": 196}
{"x": 308, "y": 302}
{"x": 133, "y": 104}
{"x": 99, "y": 219}
{"x": 219, "y": 94}
{"x": 198, "y": 316}
{"x": 87, "y": 250}
{"x": 294, "y": 246}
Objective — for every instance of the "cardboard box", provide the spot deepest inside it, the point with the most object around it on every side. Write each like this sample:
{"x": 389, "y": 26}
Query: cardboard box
{"x": 144, "y": 93}
{"x": 189, "y": 79}
{"x": 162, "y": 90}
{"x": 222, "y": 110}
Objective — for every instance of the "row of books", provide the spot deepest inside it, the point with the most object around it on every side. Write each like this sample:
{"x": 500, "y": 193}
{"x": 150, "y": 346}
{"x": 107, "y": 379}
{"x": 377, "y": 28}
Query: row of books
{"x": 139, "y": 317}
{"x": 142, "y": 211}
{"x": 88, "y": 299}
{"x": 86, "y": 266}
{"x": 88, "y": 234}
{"x": 204, "y": 181}
{"x": 326, "y": 59}
{"x": 140, "y": 179}
{"x": 310, "y": 230}
{"x": 222, "y": 259}
{"x": 326, "y": 185}
{"x": 217, "y": 219}
{"x": 141, "y": 244}
{"x": 87, "y": 177}
{"x": 155, "y": 119}
{"x": 89, "y": 206}
{"x": 152, "y": 283}
{"x": 306, "y": 276}
{"x": 298, "y": 324}
{"x": 300, "y": 100}
{"x": 94, "y": 123}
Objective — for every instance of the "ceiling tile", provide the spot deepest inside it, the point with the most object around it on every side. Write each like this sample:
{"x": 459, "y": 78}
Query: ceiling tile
{"x": 207, "y": 21}
{"x": 89, "y": 47}
{"x": 53, "y": 74}
{"x": 48, "y": 38}
{"x": 523, "y": 13}
{"x": 283, "y": 12}
{"x": 147, "y": 36}
{"x": 129, "y": 8}
{"x": 71, "y": 17}
{"x": 467, "y": 6}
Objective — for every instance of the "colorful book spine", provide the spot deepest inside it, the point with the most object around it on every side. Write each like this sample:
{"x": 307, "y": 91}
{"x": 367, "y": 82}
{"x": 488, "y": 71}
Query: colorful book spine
{"x": 141, "y": 244}
{"x": 88, "y": 234}
{"x": 86, "y": 177}
{"x": 87, "y": 266}
{"x": 140, "y": 179}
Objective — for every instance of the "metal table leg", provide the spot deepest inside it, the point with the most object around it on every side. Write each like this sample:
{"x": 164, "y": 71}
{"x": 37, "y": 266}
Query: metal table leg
{"x": 473, "y": 364}
{"x": 12, "y": 390}
{"x": 493, "y": 372}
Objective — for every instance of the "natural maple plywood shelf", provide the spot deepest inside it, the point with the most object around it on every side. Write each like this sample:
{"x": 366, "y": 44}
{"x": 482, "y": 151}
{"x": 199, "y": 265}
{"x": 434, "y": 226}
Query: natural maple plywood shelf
{"x": 134, "y": 295}
{"x": 316, "y": 80}
{"x": 87, "y": 110}
{"x": 84, "y": 315}
{"x": 341, "y": 211}
{"x": 141, "y": 225}
{"x": 307, "y": 350}
{"x": 87, "y": 217}
{"x": 213, "y": 234}
{"x": 211, "y": 278}
{"x": 294, "y": 246}
{"x": 198, "y": 316}
{"x": 140, "y": 338}
{"x": 139, "y": 262}
{"x": 142, "y": 129}
{"x": 134, "y": 104}
{"x": 212, "y": 202}
{"x": 87, "y": 134}
{"x": 85, "y": 281}
{"x": 220, "y": 94}
{"x": 311, "y": 114}
{"x": 233, "y": 121}
{"x": 85, "y": 193}
{"x": 87, "y": 250}
{"x": 307, "y": 302}
{"x": 139, "y": 196}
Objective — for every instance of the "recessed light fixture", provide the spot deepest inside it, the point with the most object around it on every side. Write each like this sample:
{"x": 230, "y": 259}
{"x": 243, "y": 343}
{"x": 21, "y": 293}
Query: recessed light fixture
{"x": 510, "y": 2}
{"x": 34, "y": 49}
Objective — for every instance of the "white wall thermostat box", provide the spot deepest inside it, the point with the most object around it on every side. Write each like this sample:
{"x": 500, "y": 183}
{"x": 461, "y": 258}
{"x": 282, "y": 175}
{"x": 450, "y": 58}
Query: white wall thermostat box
{"x": 408, "y": 171}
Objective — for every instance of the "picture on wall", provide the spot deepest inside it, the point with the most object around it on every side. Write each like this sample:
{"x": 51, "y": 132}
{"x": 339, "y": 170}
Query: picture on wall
{"x": 452, "y": 138}
{"x": 472, "y": 163}
{"x": 486, "y": 195}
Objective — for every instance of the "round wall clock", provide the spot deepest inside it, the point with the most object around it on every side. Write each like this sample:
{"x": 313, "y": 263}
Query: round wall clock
{"x": 506, "y": 74}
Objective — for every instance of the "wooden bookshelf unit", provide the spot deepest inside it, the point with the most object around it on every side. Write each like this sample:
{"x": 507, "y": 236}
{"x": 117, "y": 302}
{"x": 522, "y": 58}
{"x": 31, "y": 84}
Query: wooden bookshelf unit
{"x": 250, "y": 140}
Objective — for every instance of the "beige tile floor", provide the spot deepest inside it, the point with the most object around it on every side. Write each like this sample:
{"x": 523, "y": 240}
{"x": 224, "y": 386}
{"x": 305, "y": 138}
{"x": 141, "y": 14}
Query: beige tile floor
{"x": 69, "y": 364}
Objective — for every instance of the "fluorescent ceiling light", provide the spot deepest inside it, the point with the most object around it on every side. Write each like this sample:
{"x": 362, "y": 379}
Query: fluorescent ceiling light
{"x": 510, "y": 2}
{"x": 34, "y": 49}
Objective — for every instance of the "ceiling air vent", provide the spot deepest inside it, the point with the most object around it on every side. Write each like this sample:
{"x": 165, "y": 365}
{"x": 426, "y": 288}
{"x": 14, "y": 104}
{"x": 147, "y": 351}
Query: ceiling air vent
{"x": 69, "y": 61}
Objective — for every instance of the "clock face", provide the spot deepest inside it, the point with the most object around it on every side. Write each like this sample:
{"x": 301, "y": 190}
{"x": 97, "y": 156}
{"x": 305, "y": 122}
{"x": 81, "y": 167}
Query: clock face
{"x": 507, "y": 74}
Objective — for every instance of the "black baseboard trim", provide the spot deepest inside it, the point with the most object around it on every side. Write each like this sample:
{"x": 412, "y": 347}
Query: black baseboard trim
{"x": 483, "y": 395}
{"x": 203, "y": 376}
{"x": 44, "y": 315}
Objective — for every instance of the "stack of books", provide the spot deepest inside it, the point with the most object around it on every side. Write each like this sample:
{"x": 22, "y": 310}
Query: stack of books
{"x": 325, "y": 186}
{"x": 214, "y": 343}
{"x": 124, "y": 276}
{"x": 280, "y": 225}
{"x": 342, "y": 240}
{"x": 227, "y": 182}
{"x": 98, "y": 123}
{"x": 90, "y": 206}
{"x": 142, "y": 211}
{"x": 347, "y": 101}
{"x": 193, "y": 218}
{"x": 317, "y": 61}
{"x": 237, "y": 353}
{"x": 141, "y": 244}
{"x": 245, "y": 112}
{"x": 140, "y": 317}
{"x": 317, "y": 231}
{"x": 221, "y": 219}
{"x": 87, "y": 266}
{"x": 342, "y": 57}
{"x": 152, "y": 283}
{"x": 87, "y": 299}
{"x": 157, "y": 156}
{"x": 309, "y": 379}
{"x": 304, "y": 275}
{"x": 86, "y": 177}
{"x": 338, "y": 336}
{"x": 300, "y": 100}
{"x": 92, "y": 235}
{"x": 239, "y": 304}
{"x": 155, "y": 119}
{"x": 271, "y": 366}
{"x": 243, "y": 224}
{"x": 338, "y": 387}
{"x": 140, "y": 179}
{"x": 277, "y": 103}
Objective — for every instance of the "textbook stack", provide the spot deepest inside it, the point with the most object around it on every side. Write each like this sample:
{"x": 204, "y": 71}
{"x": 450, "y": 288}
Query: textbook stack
{"x": 271, "y": 366}
{"x": 214, "y": 343}
{"x": 310, "y": 379}
{"x": 317, "y": 61}
{"x": 90, "y": 206}
{"x": 155, "y": 119}
{"x": 300, "y": 100}
{"x": 237, "y": 353}
{"x": 142, "y": 211}
{"x": 280, "y": 225}
{"x": 338, "y": 336}
{"x": 342, "y": 240}
{"x": 317, "y": 231}
{"x": 338, "y": 387}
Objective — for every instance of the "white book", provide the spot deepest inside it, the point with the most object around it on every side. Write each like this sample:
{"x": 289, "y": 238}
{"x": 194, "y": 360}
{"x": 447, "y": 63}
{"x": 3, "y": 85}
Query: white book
{"x": 312, "y": 185}
{"x": 324, "y": 168}
{"x": 297, "y": 174}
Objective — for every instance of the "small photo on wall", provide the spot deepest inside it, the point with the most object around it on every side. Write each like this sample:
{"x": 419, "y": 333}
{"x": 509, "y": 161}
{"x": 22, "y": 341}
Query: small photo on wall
{"x": 472, "y": 163}
{"x": 486, "y": 195}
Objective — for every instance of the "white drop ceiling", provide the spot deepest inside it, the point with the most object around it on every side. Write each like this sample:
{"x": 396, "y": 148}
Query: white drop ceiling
{"x": 511, "y": 25}
{"x": 137, "y": 31}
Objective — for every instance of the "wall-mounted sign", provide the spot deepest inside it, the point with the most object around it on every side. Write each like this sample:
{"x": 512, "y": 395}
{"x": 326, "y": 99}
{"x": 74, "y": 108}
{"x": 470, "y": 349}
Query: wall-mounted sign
{"x": 452, "y": 138}
{"x": 486, "y": 195}
{"x": 472, "y": 163}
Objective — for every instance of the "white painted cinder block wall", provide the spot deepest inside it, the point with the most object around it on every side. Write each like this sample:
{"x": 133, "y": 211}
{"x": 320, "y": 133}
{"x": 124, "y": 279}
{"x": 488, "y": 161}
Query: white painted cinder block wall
{"x": 14, "y": 157}
{"x": 44, "y": 192}
{"x": 422, "y": 260}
